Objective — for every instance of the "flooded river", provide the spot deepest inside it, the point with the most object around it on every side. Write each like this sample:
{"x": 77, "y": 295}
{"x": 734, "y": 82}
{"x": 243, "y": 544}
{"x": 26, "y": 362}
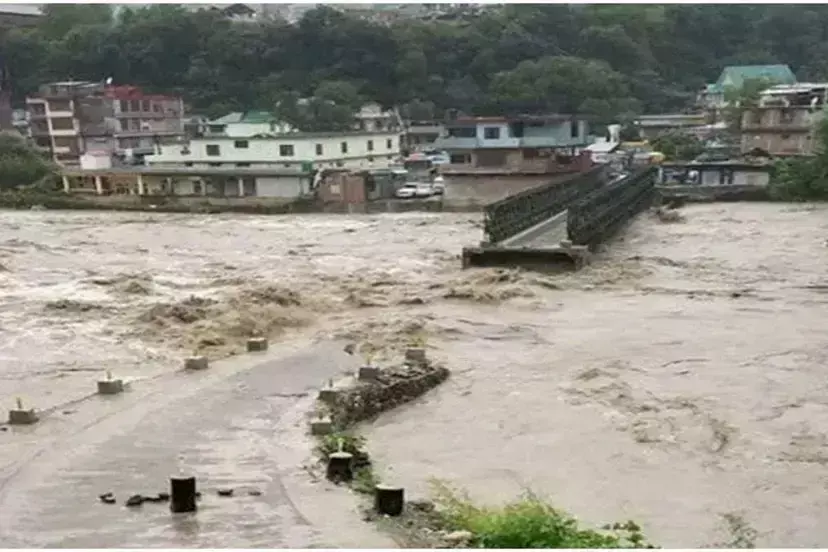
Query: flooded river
{"x": 678, "y": 381}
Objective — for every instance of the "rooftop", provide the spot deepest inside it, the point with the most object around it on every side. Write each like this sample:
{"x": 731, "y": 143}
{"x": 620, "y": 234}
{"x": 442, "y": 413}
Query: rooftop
{"x": 736, "y": 75}
{"x": 551, "y": 118}
{"x": 250, "y": 117}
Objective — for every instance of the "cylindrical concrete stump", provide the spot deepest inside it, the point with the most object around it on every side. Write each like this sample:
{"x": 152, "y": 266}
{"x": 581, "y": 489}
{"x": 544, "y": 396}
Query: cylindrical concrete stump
{"x": 340, "y": 467}
{"x": 23, "y": 417}
{"x": 389, "y": 500}
{"x": 110, "y": 386}
{"x": 183, "y": 494}
{"x": 196, "y": 363}
{"x": 416, "y": 355}
{"x": 256, "y": 344}
{"x": 368, "y": 373}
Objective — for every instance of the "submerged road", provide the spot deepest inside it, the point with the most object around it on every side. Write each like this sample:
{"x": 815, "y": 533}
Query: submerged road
{"x": 235, "y": 425}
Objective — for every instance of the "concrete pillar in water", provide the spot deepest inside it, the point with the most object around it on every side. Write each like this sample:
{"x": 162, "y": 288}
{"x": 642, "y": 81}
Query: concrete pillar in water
{"x": 140, "y": 184}
{"x": 196, "y": 363}
{"x": 256, "y": 344}
{"x": 98, "y": 185}
{"x": 183, "y": 494}
{"x": 416, "y": 355}
{"x": 388, "y": 500}
{"x": 240, "y": 184}
{"x": 66, "y": 184}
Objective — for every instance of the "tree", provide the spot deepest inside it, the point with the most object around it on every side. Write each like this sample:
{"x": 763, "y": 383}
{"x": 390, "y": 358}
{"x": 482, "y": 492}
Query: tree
{"x": 20, "y": 164}
{"x": 678, "y": 146}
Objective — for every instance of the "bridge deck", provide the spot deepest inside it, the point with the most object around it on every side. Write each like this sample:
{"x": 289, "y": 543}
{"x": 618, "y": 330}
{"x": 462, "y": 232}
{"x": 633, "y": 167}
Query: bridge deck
{"x": 537, "y": 247}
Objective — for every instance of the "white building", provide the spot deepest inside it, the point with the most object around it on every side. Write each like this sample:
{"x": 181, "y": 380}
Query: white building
{"x": 299, "y": 151}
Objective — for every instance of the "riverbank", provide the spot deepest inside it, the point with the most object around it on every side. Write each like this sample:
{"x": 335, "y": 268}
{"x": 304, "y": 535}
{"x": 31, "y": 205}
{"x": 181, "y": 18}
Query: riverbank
{"x": 212, "y": 205}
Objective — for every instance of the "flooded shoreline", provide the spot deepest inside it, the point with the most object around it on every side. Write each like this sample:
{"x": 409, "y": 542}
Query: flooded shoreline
{"x": 686, "y": 361}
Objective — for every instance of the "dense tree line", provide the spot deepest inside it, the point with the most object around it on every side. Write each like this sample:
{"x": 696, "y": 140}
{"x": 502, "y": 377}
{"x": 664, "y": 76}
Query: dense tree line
{"x": 605, "y": 61}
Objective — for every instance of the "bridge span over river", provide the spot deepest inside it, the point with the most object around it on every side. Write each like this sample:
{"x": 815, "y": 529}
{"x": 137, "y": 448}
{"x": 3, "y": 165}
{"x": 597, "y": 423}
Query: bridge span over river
{"x": 554, "y": 226}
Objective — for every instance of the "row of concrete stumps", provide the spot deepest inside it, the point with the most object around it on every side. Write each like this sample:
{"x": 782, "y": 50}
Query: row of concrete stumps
{"x": 183, "y": 494}
{"x": 21, "y": 415}
{"x": 389, "y": 500}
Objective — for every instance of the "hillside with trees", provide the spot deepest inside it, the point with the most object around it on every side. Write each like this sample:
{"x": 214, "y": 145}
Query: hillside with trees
{"x": 604, "y": 61}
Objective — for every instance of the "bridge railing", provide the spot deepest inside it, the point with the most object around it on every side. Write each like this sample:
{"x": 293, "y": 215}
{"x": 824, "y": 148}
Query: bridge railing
{"x": 516, "y": 213}
{"x": 595, "y": 218}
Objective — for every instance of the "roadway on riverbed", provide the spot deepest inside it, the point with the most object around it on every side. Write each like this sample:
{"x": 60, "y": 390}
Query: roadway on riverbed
{"x": 240, "y": 424}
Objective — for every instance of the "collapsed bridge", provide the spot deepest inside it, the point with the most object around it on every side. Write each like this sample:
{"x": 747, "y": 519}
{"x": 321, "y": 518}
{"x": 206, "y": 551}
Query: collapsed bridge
{"x": 556, "y": 225}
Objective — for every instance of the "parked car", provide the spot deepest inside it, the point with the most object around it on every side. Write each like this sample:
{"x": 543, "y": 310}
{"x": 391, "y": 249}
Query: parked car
{"x": 406, "y": 191}
{"x": 424, "y": 189}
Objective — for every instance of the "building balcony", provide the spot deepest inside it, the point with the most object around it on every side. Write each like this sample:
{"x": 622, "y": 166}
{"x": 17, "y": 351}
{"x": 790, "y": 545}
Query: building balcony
{"x": 551, "y": 142}
{"x": 454, "y": 143}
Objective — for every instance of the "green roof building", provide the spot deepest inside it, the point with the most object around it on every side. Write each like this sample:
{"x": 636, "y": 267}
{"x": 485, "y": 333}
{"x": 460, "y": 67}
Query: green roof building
{"x": 735, "y": 76}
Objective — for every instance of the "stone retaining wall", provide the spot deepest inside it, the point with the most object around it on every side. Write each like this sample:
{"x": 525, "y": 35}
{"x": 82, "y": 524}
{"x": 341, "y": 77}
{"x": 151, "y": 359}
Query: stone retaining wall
{"x": 391, "y": 388}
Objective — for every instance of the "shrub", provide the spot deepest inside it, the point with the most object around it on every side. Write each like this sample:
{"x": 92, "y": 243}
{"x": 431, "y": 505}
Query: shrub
{"x": 531, "y": 523}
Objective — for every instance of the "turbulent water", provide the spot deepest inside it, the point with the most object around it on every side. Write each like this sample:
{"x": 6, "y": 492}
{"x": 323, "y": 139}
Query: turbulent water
{"x": 677, "y": 381}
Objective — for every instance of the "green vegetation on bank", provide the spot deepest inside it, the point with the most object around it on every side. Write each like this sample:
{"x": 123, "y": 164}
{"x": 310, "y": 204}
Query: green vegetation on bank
{"x": 530, "y": 523}
{"x": 21, "y": 165}
{"x": 804, "y": 178}
{"x": 600, "y": 60}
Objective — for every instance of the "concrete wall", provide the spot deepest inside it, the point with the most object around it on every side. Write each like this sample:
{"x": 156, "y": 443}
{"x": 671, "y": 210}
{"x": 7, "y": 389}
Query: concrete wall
{"x": 485, "y": 189}
{"x": 711, "y": 177}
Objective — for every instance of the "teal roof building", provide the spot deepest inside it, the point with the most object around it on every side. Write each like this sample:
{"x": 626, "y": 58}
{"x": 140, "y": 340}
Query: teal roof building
{"x": 735, "y": 76}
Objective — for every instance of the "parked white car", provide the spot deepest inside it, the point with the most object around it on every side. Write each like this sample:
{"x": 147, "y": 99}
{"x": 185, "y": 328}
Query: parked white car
{"x": 406, "y": 191}
{"x": 424, "y": 189}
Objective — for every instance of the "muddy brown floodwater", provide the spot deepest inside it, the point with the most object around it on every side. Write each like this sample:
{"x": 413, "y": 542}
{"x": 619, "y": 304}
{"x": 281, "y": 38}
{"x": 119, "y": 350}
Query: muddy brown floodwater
{"x": 678, "y": 381}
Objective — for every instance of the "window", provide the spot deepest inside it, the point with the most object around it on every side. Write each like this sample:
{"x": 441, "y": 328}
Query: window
{"x": 389, "y": 144}
{"x": 460, "y": 158}
{"x": 145, "y": 105}
{"x": 286, "y": 150}
{"x": 319, "y": 149}
{"x": 60, "y": 105}
{"x": 156, "y": 108}
{"x": 64, "y": 123}
{"x": 37, "y": 109}
{"x": 491, "y": 133}
{"x": 124, "y": 106}
{"x": 188, "y": 164}
{"x": 574, "y": 130}
{"x": 241, "y": 144}
{"x": 340, "y": 163}
{"x": 43, "y": 142}
{"x": 343, "y": 147}
{"x": 242, "y": 164}
{"x": 135, "y": 105}
{"x": 216, "y": 129}
{"x": 213, "y": 150}
{"x": 370, "y": 145}
{"x": 462, "y": 132}
{"x": 214, "y": 164}
{"x": 370, "y": 159}
{"x": 65, "y": 142}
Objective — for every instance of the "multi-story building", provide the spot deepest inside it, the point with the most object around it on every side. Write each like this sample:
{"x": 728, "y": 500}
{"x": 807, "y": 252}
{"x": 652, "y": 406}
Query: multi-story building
{"x": 421, "y": 136}
{"x": 300, "y": 151}
{"x": 524, "y": 145}
{"x": 784, "y": 121}
{"x": 75, "y": 117}
{"x": 144, "y": 121}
